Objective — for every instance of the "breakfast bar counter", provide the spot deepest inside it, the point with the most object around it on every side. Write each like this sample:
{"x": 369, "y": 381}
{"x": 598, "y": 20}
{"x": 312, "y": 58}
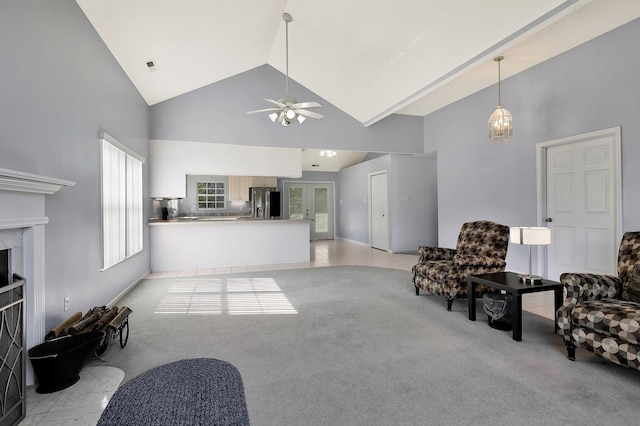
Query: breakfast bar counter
{"x": 202, "y": 244}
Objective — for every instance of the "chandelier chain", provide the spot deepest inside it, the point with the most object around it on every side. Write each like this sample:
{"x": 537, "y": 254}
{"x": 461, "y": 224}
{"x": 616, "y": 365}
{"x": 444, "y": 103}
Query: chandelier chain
{"x": 499, "y": 84}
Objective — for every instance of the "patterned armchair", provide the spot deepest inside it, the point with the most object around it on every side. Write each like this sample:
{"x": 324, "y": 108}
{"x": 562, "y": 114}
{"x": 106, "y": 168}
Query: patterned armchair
{"x": 595, "y": 315}
{"x": 481, "y": 249}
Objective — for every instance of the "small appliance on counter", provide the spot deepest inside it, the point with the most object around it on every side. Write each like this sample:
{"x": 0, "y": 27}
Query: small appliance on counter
{"x": 165, "y": 208}
{"x": 265, "y": 202}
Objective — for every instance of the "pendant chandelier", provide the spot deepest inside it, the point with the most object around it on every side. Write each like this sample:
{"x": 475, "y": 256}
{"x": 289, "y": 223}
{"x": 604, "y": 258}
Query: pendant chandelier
{"x": 500, "y": 122}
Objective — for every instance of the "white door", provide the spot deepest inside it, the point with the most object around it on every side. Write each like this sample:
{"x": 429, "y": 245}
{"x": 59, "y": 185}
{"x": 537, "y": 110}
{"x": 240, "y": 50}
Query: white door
{"x": 378, "y": 211}
{"x": 312, "y": 202}
{"x": 583, "y": 203}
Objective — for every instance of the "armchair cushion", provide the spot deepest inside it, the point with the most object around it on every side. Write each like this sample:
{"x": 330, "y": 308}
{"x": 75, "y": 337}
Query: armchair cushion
{"x": 613, "y": 317}
{"x": 631, "y": 288}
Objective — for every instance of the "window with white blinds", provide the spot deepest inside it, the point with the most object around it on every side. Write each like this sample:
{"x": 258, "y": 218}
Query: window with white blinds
{"x": 122, "y": 208}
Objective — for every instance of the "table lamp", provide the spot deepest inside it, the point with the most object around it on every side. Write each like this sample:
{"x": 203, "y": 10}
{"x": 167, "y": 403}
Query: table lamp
{"x": 530, "y": 236}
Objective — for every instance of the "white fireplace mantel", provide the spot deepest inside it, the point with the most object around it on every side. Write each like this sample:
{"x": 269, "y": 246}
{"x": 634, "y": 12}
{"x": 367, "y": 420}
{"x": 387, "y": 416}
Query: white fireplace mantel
{"x": 22, "y": 209}
{"x": 11, "y": 180}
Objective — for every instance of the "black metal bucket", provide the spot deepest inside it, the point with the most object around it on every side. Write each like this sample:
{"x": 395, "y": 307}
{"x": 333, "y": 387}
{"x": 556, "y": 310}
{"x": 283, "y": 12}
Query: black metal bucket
{"x": 57, "y": 363}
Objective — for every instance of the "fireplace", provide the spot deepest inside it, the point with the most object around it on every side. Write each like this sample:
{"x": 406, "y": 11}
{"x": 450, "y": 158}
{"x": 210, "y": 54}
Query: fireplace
{"x": 5, "y": 267}
{"x": 22, "y": 236}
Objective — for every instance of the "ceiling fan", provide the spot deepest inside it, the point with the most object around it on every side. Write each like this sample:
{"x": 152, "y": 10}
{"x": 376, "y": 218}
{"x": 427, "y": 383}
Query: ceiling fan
{"x": 288, "y": 110}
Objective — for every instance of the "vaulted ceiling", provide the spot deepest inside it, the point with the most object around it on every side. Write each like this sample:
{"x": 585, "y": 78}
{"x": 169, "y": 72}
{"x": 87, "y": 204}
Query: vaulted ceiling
{"x": 368, "y": 58}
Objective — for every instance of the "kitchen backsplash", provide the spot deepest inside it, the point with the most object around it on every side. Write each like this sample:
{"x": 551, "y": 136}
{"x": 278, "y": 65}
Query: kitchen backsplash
{"x": 188, "y": 206}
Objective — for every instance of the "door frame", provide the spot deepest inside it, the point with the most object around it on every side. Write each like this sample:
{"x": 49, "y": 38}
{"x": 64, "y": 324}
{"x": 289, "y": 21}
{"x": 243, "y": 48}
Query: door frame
{"x": 541, "y": 181}
{"x": 369, "y": 206}
{"x": 286, "y": 198}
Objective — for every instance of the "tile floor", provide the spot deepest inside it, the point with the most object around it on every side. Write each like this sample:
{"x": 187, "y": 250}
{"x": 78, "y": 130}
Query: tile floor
{"x": 80, "y": 404}
{"x": 97, "y": 384}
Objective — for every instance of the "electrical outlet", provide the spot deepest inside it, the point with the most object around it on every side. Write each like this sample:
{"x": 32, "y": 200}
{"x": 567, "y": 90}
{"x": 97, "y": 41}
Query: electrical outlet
{"x": 66, "y": 303}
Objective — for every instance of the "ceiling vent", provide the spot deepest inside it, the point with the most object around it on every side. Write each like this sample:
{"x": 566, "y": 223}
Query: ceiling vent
{"x": 151, "y": 64}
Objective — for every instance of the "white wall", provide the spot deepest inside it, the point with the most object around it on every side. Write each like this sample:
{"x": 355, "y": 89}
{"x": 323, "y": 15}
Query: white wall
{"x": 171, "y": 161}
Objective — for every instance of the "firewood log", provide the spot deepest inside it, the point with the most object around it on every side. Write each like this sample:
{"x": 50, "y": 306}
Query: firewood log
{"x": 89, "y": 318}
{"x": 105, "y": 318}
{"x": 60, "y": 329}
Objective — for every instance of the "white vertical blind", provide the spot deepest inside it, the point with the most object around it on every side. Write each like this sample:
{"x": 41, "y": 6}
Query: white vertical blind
{"x": 122, "y": 209}
{"x": 134, "y": 206}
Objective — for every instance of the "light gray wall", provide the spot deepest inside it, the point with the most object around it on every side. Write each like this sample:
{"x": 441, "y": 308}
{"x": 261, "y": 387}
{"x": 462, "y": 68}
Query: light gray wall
{"x": 60, "y": 86}
{"x": 591, "y": 87}
{"x": 353, "y": 198}
{"x": 412, "y": 201}
{"x": 217, "y": 113}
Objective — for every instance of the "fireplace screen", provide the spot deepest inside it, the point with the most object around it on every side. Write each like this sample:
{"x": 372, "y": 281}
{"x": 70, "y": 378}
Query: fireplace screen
{"x": 12, "y": 352}
{"x": 5, "y": 267}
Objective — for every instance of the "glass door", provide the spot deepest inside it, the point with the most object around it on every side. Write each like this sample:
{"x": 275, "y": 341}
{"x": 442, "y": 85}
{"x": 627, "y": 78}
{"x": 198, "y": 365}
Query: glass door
{"x": 312, "y": 202}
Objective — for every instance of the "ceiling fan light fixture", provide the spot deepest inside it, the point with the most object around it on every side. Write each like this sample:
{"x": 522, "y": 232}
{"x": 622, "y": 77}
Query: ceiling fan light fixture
{"x": 288, "y": 109}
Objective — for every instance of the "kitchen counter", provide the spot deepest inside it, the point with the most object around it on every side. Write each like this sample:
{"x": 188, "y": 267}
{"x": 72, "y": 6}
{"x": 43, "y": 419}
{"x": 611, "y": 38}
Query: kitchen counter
{"x": 191, "y": 219}
{"x": 223, "y": 241}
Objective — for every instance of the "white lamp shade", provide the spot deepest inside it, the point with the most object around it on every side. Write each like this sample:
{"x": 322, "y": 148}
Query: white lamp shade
{"x": 530, "y": 235}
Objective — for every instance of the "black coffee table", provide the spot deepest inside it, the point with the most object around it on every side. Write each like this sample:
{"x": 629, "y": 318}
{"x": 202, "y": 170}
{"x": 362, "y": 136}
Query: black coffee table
{"x": 510, "y": 282}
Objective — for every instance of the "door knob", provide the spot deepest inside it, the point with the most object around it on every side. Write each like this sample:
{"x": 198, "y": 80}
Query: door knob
{"x": 549, "y": 219}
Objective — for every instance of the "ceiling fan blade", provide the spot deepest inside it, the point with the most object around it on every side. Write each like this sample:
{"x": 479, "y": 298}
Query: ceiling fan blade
{"x": 280, "y": 104}
{"x": 306, "y": 105}
{"x": 309, "y": 114}
{"x": 262, "y": 110}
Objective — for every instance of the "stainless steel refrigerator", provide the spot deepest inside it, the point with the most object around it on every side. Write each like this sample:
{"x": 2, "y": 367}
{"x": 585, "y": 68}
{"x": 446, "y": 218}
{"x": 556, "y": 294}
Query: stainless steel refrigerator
{"x": 265, "y": 202}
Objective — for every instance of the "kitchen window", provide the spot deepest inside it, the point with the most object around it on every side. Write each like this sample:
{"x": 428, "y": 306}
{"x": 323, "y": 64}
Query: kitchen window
{"x": 211, "y": 195}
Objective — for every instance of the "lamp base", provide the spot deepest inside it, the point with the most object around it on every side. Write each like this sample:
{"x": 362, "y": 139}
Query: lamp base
{"x": 530, "y": 279}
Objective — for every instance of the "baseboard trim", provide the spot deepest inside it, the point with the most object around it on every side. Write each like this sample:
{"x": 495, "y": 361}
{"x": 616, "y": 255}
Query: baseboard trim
{"x": 129, "y": 288}
{"x": 360, "y": 243}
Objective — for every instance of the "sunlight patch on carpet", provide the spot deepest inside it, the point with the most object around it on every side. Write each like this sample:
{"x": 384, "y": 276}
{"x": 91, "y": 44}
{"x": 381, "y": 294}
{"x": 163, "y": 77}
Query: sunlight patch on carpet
{"x": 226, "y": 296}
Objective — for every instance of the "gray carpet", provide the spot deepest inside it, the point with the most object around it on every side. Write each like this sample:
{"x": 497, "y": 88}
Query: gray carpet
{"x": 190, "y": 392}
{"x": 362, "y": 349}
